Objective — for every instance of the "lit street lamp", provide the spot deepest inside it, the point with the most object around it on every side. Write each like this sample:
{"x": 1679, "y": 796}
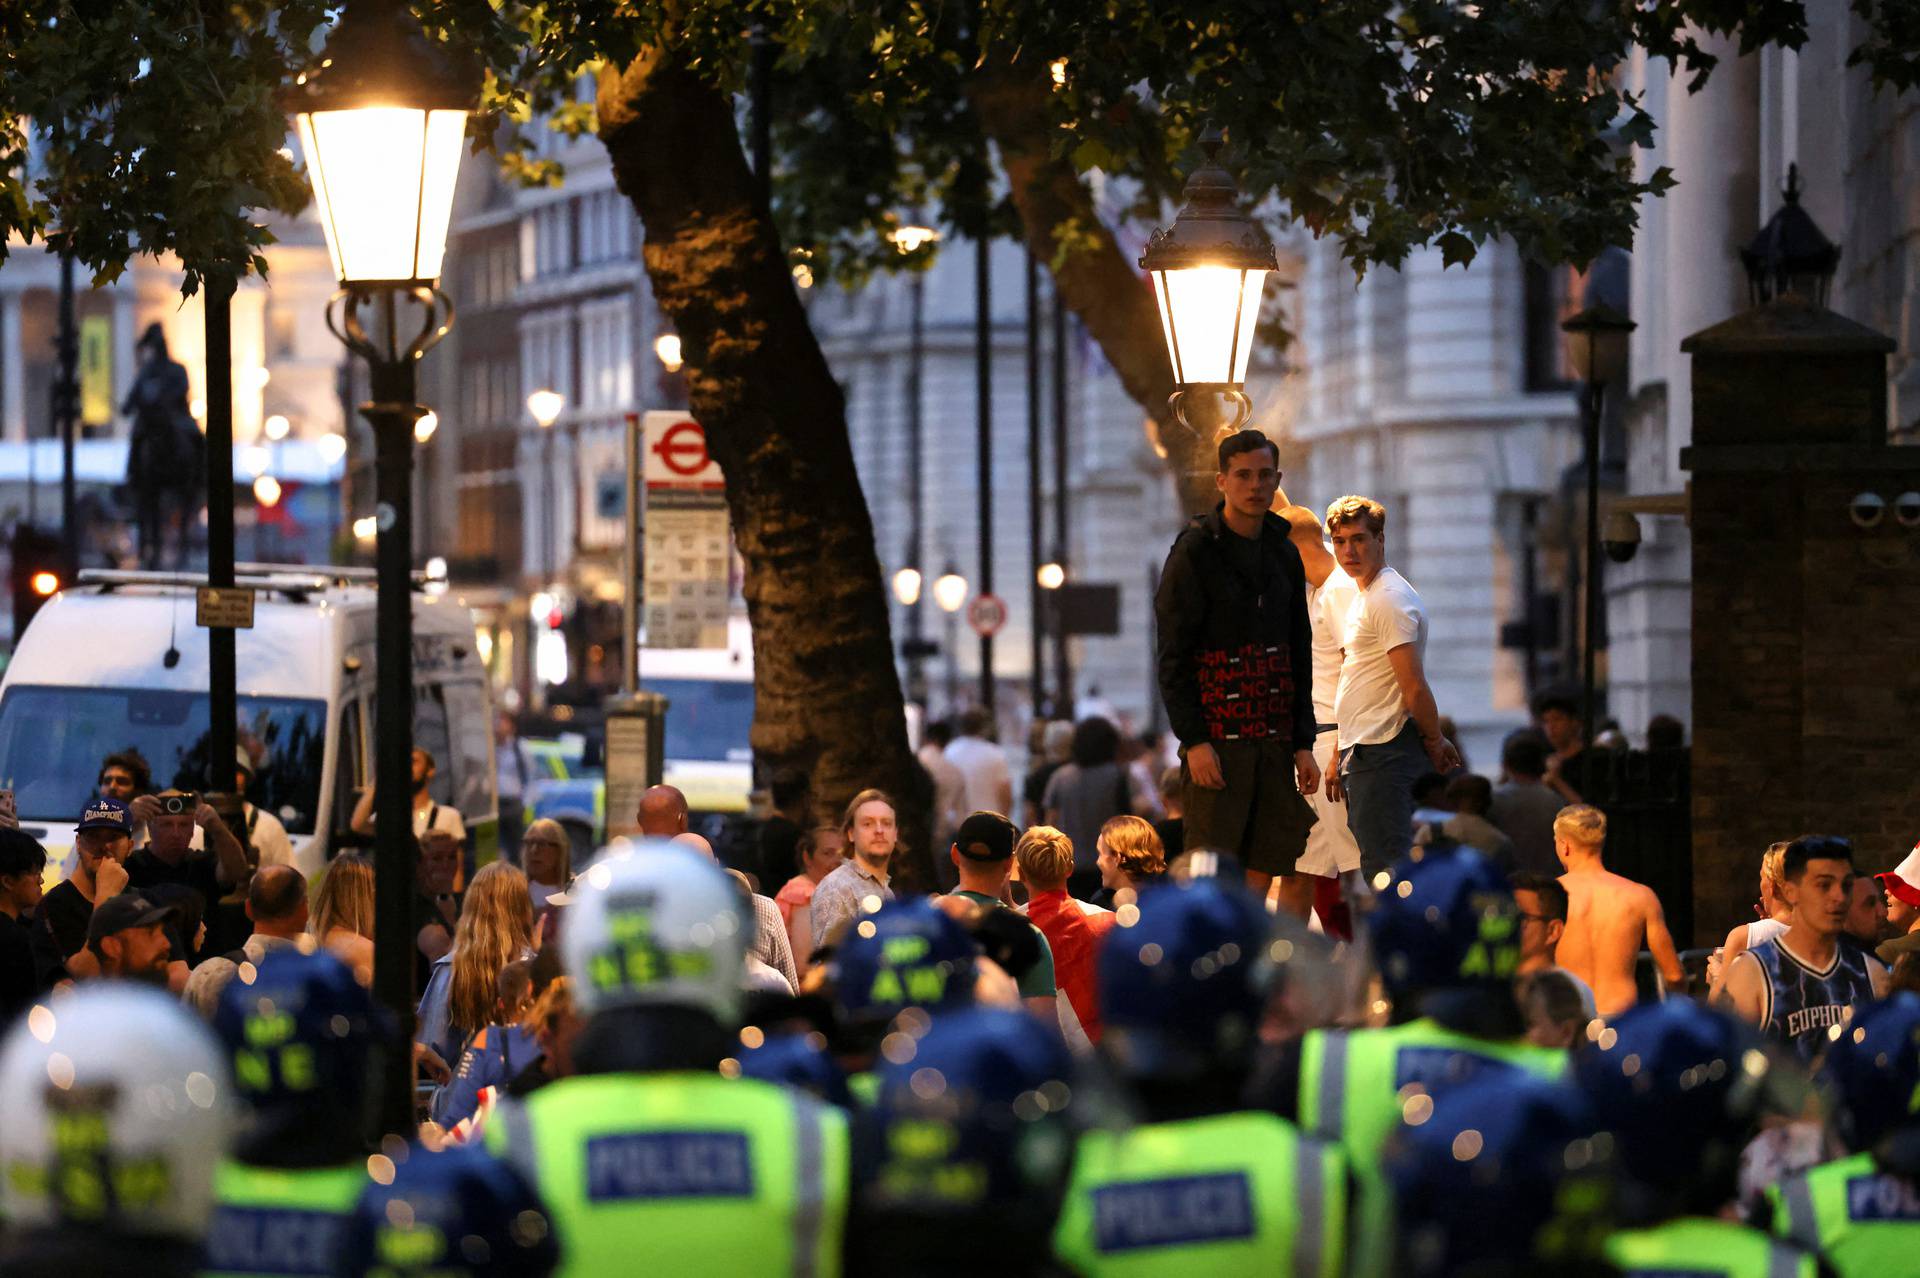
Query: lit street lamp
{"x": 1597, "y": 351}
{"x": 950, "y": 589}
{"x": 1208, "y": 270}
{"x": 667, "y": 349}
{"x": 950, "y": 592}
{"x": 908, "y": 238}
{"x": 546, "y": 407}
{"x": 382, "y": 124}
{"x": 906, "y": 586}
{"x": 1051, "y": 575}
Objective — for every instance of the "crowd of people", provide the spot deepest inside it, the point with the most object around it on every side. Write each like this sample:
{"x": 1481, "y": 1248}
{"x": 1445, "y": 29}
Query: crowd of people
{"x": 1320, "y": 1002}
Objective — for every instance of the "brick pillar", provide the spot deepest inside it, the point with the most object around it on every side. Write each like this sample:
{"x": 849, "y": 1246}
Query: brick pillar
{"x": 1806, "y": 689}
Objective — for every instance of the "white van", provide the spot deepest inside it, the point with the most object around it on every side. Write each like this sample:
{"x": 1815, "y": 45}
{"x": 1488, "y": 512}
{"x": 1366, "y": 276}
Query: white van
{"x": 117, "y": 662}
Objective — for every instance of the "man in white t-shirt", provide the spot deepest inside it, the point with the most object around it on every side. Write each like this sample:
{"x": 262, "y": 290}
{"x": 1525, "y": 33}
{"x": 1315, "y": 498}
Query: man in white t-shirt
{"x": 982, "y": 763}
{"x": 1389, "y": 726}
{"x": 1331, "y": 851}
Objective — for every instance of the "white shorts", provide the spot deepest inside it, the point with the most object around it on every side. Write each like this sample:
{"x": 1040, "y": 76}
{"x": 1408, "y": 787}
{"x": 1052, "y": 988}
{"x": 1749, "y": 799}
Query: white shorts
{"x": 1331, "y": 850}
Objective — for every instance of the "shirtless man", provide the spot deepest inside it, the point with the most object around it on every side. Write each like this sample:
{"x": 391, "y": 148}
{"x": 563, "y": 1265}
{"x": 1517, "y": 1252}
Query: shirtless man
{"x": 1803, "y": 982}
{"x": 1608, "y": 917}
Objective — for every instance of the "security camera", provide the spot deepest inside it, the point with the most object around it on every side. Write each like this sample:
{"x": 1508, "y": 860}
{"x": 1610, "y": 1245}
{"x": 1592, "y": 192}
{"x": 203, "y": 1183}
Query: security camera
{"x": 1906, "y": 508}
{"x": 1621, "y": 537}
{"x": 1867, "y": 509}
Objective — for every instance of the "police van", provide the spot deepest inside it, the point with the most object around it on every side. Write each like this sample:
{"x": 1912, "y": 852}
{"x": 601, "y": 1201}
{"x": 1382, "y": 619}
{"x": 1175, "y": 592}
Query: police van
{"x": 117, "y": 662}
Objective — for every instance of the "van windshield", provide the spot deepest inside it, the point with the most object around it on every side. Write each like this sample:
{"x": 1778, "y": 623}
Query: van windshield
{"x": 52, "y": 740}
{"x": 707, "y": 719}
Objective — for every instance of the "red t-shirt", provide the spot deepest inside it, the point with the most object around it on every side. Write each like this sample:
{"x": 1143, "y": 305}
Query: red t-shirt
{"x": 1075, "y": 940}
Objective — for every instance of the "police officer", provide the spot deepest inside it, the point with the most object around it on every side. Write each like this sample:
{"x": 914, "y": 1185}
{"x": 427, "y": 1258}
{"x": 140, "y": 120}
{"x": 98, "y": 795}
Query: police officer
{"x": 118, "y": 1107}
{"x": 1862, "y": 1212}
{"x": 1445, "y": 937}
{"x": 648, "y": 1158}
{"x": 905, "y": 954}
{"x": 962, "y": 1160}
{"x": 1682, "y": 1089}
{"x": 1203, "y": 1186}
{"x": 454, "y": 1212}
{"x": 1501, "y": 1177}
{"x": 794, "y": 1059}
{"x": 301, "y": 1035}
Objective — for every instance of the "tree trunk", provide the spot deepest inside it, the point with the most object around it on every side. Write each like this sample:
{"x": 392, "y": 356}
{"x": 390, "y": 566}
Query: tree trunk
{"x": 826, "y": 695}
{"x": 1107, "y": 292}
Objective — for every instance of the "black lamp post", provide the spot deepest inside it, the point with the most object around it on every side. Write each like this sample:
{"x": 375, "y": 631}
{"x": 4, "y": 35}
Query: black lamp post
{"x": 1208, "y": 270}
{"x": 1597, "y": 349}
{"x": 909, "y": 238}
{"x": 382, "y": 123}
{"x": 1791, "y": 256}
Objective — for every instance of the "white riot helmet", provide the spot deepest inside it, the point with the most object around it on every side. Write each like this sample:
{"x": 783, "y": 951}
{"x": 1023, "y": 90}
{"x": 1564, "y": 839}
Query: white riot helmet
{"x": 119, "y": 1109}
{"x": 655, "y": 925}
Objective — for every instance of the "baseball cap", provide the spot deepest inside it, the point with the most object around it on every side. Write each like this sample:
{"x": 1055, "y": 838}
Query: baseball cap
{"x": 118, "y": 913}
{"x": 107, "y": 814}
{"x": 985, "y": 836}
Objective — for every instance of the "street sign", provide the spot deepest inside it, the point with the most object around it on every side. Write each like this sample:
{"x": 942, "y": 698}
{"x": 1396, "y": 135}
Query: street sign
{"x": 688, "y": 543}
{"x": 986, "y": 614}
{"x": 610, "y": 495}
{"x": 228, "y": 608}
{"x": 1087, "y": 608}
{"x": 677, "y": 454}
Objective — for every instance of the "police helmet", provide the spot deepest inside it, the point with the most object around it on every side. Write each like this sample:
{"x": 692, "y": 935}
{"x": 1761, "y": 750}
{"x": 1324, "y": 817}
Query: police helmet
{"x": 1481, "y": 1170}
{"x": 1682, "y": 1088}
{"x": 655, "y": 925}
{"x": 905, "y": 954}
{"x": 1183, "y": 977}
{"x": 119, "y": 1107}
{"x": 300, "y": 1031}
{"x": 1444, "y": 921}
{"x": 970, "y": 1117}
{"x": 456, "y": 1211}
{"x": 1872, "y": 1071}
{"x": 794, "y": 1060}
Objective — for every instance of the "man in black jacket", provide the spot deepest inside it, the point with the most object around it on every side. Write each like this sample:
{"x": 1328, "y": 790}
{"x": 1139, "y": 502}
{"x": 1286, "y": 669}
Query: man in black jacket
{"x": 1236, "y": 672}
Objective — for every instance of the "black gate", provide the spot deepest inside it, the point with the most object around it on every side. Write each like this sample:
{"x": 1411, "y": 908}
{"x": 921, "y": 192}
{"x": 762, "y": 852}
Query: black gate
{"x": 1648, "y": 797}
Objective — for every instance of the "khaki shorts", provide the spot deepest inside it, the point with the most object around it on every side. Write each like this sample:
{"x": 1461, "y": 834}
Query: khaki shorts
{"x": 1259, "y": 818}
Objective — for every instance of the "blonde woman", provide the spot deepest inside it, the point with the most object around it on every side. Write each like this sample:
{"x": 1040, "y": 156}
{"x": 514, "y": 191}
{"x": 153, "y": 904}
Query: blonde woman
{"x": 343, "y": 914}
{"x": 1131, "y": 857}
{"x": 546, "y": 853}
{"x": 495, "y": 928}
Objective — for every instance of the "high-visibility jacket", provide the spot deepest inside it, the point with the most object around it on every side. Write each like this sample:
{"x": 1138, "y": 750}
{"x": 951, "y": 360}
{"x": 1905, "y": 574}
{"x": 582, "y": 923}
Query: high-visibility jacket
{"x": 1860, "y": 1219}
{"x": 682, "y": 1173}
{"x": 1213, "y": 1197}
{"x": 1355, "y": 1083}
{"x": 270, "y": 1220}
{"x": 1709, "y": 1248}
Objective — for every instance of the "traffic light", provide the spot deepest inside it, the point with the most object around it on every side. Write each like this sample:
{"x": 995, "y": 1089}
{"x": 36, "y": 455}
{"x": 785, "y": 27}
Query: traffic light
{"x": 39, "y": 573}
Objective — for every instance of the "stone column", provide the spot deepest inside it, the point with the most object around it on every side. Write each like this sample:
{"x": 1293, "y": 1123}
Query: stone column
{"x": 13, "y": 370}
{"x": 1804, "y": 683}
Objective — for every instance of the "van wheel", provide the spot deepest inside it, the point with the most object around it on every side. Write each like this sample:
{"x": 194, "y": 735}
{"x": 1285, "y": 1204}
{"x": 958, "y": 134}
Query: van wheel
{"x": 581, "y": 839}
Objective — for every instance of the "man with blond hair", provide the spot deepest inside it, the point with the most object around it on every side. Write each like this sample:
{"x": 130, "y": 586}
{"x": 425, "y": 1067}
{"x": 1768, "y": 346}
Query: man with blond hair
{"x": 1073, "y": 928}
{"x": 1608, "y": 917}
{"x": 1388, "y": 722}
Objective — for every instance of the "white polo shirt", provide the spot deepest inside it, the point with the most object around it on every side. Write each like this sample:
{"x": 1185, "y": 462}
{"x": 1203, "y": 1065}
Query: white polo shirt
{"x": 1383, "y": 616}
{"x": 1327, "y": 605}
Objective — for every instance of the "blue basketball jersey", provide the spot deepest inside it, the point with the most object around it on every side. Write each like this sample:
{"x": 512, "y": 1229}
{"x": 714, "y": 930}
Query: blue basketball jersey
{"x": 1803, "y": 1002}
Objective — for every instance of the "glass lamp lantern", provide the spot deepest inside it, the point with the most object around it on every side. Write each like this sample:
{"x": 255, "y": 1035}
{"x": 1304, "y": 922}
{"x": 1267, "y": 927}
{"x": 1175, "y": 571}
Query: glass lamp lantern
{"x": 1208, "y": 271}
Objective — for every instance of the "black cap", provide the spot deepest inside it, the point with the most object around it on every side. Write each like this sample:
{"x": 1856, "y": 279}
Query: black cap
{"x": 985, "y": 836}
{"x": 118, "y": 913}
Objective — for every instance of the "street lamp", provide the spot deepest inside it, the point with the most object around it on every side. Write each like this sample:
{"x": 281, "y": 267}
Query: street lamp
{"x": 1051, "y": 575}
{"x": 1208, "y": 270}
{"x": 1791, "y": 255}
{"x": 950, "y": 589}
{"x": 546, "y": 407}
{"x": 667, "y": 349}
{"x": 1597, "y": 352}
{"x": 906, "y": 586}
{"x": 423, "y": 428}
{"x": 382, "y": 122}
{"x": 950, "y": 592}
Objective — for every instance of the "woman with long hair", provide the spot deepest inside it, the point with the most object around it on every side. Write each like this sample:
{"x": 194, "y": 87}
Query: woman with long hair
{"x": 495, "y": 928}
{"x": 343, "y": 913}
{"x": 546, "y": 854}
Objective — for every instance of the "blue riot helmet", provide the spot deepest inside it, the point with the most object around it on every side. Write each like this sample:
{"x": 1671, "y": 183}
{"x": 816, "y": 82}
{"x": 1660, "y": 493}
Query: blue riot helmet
{"x": 1871, "y": 1075}
{"x": 455, "y": 1212}
{"x": 793, "y": 1060}
{"x": 1183, "y": 977}
{"x": 963, "y": 1158}
{"x": 1682, "y": 1088}
{"x": 1501, "y": 1175}
{"x": 302, "y": 1035}
{"x": 905, "y": 954}
{"x": 1444, "y": 931}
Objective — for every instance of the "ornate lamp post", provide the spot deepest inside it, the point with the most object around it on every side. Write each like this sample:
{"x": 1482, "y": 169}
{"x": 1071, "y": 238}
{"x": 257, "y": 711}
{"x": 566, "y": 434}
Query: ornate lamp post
{"x": 1791, "y": 256}
{"x": 1208, "y": 270}
{"x": 1597, "y": 350}
{"x": 382, "y": 124}
{"x": 950, "y": 592}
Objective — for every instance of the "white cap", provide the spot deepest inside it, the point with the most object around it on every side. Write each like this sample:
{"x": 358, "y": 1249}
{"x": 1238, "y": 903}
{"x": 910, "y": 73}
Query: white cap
{"x": 113, "y": 1080}
{"x": 652, "y": 924}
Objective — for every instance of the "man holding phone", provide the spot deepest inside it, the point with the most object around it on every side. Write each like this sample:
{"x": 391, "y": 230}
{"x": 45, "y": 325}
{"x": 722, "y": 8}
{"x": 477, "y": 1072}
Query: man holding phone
{"x": 101, "y": 848}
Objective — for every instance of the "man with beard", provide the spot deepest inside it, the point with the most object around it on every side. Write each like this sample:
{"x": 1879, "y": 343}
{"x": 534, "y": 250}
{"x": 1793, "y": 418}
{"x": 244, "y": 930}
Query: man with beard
{"x": 427, "y": 815}
{"x": 872, "y": 834}
{"x": 127, "y": 938}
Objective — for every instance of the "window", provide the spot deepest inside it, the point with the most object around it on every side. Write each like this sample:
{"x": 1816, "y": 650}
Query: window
{"x": 1552, "y": 294}
{"x": 350, "y": 769}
